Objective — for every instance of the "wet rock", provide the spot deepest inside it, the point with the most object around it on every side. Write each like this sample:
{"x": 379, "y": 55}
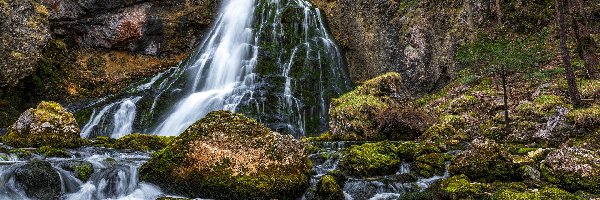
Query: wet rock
{"x": 49, "y": 124}
{"x": 329, "y": 189}
{"x": 573, "y": 168}
{"x": 228, "y": 156}
{"x": 39, "y": 180}
{"x": 431, "y": 164}
{"x": 81, "y": 169}
{"x": 485, "y": 160}
{"x": 24, "y": 30}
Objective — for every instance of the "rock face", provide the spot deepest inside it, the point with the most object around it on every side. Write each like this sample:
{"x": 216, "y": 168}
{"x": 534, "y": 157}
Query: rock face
{"x": 47, "y": 125}
{"x": 24, "y": 29}
{"x": 228, "y": 156}
{"x": 573, "y": 168}
{"x": 485, "y": 160}
{"x": 39, "y": 180}
{"x": 416, "y": 38}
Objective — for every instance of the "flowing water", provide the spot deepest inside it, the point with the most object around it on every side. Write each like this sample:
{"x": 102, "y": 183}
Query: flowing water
{"x": 272, "y": 60}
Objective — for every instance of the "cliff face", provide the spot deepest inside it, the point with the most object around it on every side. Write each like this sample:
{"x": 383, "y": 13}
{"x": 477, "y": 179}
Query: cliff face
{"x": 416, "y": 38}
{"x": 71, "y": 49}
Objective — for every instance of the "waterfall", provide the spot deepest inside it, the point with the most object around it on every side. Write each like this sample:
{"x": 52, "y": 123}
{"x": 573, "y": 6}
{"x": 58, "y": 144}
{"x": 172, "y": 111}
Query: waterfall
{"x": 272, "y": 60}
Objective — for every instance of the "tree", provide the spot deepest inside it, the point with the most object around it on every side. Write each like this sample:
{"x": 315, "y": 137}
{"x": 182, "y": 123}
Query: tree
{"x": 500, "y": 56}
{"x": 564, "y": 51}
{"x": 586, "y": 47}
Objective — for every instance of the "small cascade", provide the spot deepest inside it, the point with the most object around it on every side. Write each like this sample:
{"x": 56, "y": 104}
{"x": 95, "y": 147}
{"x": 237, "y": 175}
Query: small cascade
{"x": 272, "y": 60}
{"x": 376, "y": 188}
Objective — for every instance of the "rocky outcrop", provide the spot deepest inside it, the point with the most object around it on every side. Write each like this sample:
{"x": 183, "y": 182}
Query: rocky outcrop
{"x": 573, "y": 168}
{"x": 49, "y": 124}
{"x": 228, "y": 156}
{"x": 39, "y": 180}
{"x": 416, "y": 38}
{"x": 24, "y": 29}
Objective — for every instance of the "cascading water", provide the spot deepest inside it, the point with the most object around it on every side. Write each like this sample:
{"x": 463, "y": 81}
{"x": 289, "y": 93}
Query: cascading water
{"x": 272, "y": 60}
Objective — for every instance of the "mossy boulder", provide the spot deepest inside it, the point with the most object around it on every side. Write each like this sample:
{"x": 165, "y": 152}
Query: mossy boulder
{"x": 587, "y": 119}
{"x": 549, "y": 193}
{"x": 39, "y": 180}
{"x": 485, "y": 161}
{"x": 373, "y": 112}
{"x": 329, "y": 189}
{"x": 431, "y": 164}
{"x": 229, "y": 156}
{"x": 446, "y": 134}
{"x": 141, "y": 142}
{"x": 371, "y": 159}
{"x": 573, "y": 168}
{"x": 49, "y": 124}
{"x": 82, "y": 170}
{"x": 460, "y": 187}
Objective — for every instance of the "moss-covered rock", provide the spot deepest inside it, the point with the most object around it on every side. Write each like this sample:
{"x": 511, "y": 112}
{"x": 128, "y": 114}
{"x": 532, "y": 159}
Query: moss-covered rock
{"x": 142, "y": 142}
{"x": 372, "y": 112}
{"x": 549, "y": 193}
{"x": 485, "y": 161}
{"x": 39, "y": 180}
{"x": 573, "y": 168}
{"x": 82, "y": 170}
{"x": 460, "y": 187}
{"x": 431, "y": 164}
{"x": 49, "y": 124}
{"x": 587, "y": 119}
{"x": 371, "y": 159}
{"x": 329, "y": 189}
{"x": 49, "y": 151}
{"x": 229, "y": 156}
{"x": 446, "y": 134}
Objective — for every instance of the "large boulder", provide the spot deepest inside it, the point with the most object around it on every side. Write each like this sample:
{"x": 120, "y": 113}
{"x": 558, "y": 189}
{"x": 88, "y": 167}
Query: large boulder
{"x": 374, "y": 111}
{"x": 23, "y": 34}
{"x": 573, "y": 168}
{"x": 39, "y": 180}
{"x": 229, "y": 156}
{"x": 485, "y": 161}
{"x": 49, "y": 124}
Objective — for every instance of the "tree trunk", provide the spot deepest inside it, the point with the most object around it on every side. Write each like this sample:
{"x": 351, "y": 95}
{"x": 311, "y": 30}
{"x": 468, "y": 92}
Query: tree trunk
{"x": 564, "y": 51}
{"x": 506, "y": 119}
{"x": 586, "y": 47}
{"x": 499, "y": 14}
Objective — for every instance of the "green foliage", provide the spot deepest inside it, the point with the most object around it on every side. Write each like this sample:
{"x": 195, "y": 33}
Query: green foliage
{"x": 487, "y": 55}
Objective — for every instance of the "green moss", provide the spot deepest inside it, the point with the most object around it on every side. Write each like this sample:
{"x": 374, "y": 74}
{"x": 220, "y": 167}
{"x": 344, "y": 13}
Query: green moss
{"x": 546, "y": 104}
{"x": 460, "y": 187}
{"x": 84, "y": 171}
{"x": 431, "y": 164}
{"x": 353, "y": 116}
{"x": 48, "y": 151}
{"x": 371, "y": 159}
{"x": 447, "y": 133}
{"x": 587, "y": 119}
{"x": 175, "y": 169}
{"x": 142, "y": 142}
{"x": 329, "y": 189}
{"x": 590, "y": 89}
{"x": 64, "y": 134}
{"x": 542, "y": 194}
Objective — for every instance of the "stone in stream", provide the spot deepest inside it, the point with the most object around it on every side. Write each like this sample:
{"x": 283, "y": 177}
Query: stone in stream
{"x": 229, "y": 156}
{"x": 39, "y": 180}
{"x": 49, "y": 124}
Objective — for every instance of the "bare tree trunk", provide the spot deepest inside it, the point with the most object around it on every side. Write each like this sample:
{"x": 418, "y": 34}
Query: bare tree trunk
{"x": 586, "y": 47}
{"x": 506, "y": 119}
{"x": 499, "y": 14}
{"x": 564, "y": 50}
